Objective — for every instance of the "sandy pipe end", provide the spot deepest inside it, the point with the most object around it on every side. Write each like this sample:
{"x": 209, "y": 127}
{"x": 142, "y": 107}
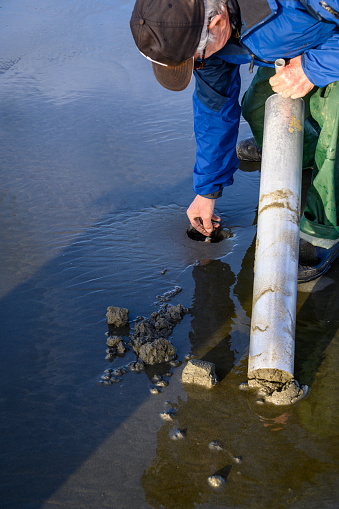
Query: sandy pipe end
{"x": 277, "y": 387}
{"x": 279, "y": 64}
{"x": 270, "y": 378}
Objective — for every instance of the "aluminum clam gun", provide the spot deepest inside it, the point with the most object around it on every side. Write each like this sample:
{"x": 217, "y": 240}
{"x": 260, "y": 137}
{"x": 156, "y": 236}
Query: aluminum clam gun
{"x": 272, "y": 339}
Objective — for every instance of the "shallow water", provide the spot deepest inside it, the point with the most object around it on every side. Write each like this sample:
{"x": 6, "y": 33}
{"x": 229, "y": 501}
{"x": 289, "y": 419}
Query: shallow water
{"x": 95, "y": 181}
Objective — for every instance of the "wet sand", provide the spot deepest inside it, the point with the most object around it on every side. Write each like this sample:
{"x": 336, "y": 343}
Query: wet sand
{"x": 96, "y": 162}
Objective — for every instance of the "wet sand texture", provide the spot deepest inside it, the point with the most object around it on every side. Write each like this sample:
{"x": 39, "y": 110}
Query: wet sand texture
{"x": 200, "y": 373}
{"x": 117, "y": 316}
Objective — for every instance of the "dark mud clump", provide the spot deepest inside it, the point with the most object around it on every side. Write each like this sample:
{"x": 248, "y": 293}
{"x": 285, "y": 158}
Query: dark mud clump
{"x": 116, "y": 347}
{"x": 117, "y": 316}
{"x": 149, "y": 342}
{"x": 116, "y": 344}
{"x": 156, "y": 352}
{"x": 137, "y": 366}
{"x": 149, "y": 338}
{"x": 167, "y": 296}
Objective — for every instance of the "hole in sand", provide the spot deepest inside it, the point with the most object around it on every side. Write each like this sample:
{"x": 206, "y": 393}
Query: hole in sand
{"x": 217, "y": 235}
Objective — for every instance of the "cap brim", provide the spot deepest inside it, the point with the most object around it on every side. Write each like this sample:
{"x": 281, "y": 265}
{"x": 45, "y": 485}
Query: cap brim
{"x": 174, "y": 78}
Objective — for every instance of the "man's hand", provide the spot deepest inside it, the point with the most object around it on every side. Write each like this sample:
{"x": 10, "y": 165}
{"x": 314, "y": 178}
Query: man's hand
{"x": 201, "y": 215}
{"x": 291, "y": 81}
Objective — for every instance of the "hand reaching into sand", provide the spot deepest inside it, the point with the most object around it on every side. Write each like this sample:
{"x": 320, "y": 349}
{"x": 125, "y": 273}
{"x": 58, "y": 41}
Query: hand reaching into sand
{"x": 201, "y": 215}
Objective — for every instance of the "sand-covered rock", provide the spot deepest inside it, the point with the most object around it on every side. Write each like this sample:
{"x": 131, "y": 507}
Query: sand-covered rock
{"x": 117, "y": 316}
{"x": 200, "y": 373}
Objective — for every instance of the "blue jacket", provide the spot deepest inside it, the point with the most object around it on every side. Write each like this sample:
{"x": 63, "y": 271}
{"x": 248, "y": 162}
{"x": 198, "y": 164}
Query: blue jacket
{"x": 271, "y": 29}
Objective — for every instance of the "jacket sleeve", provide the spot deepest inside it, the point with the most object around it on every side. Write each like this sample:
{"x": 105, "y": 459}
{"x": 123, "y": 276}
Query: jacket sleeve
{"x": 321, "y": 64}
{"x": 216, "y": 123}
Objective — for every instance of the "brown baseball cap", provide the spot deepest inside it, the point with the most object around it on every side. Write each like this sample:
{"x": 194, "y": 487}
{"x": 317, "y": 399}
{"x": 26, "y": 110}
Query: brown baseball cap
{"x": 167, "y": 32}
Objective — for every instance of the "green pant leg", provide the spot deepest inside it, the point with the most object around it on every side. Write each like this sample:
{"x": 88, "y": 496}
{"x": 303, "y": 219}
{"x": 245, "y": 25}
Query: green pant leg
{"x": 253, "y": 102}
{"x": 321, "y": 215}
{"x": 253, "y": 111}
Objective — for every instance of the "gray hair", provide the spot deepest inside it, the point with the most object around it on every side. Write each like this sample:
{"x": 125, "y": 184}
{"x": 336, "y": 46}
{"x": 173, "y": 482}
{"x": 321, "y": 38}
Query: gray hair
{"x": 212, "y": 8}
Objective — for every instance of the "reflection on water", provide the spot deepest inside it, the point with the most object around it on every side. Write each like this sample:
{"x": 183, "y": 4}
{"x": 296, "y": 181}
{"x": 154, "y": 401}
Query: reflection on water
{"x": 272, "y": 457}
{"x": 212, "y": 314}
{"x": 95, "y": 180}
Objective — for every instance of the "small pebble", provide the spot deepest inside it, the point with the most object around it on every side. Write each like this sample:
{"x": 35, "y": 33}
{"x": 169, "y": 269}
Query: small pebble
{"x": 216, "y": 446}
{"x": 216, "y": 481}
{"x": 175, "y": 363}
{"x": 121, "y": 349}
{"x": 260, "y": 402}
{"x": 190, "y": 356}
{"x": 238, "y": 459}
{"x": 162, "y": 383}
{"x": 168, "y": 375}
{"x": 177, "y": 434}
{"x": 109, "y": 370}
{"x": 106, "y": 377}
{"x": 105, "y": 382}
{"x": 244, "y": 386}
{"x": 109, "y": 357}
{"x": 113, "y": 341}
{"x": 156, "y": 378}
{"x": 155, "y": 390}
{"x": 139, "y": 365}
{"x": 163, "y": 271}
{"x": 115, "y": 379}
{"x": 136, "y": 366}
{"x": 119, "y": 371}
{"x": 167, "y": 416}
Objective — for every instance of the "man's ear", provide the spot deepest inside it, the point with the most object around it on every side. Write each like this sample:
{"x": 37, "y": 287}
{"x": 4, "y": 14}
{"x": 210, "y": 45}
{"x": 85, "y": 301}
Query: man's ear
{"x": 220, "y": 19}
